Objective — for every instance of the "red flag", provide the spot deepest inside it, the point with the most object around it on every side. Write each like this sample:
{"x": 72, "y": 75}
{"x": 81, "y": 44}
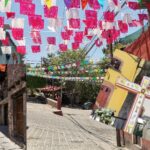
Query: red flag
{"x": 133, "y": 5}
{"x": 21, "y": 49}
{"x": 36, "y": 37}
{"x": 91, "y": 14}
{"x": 123, "y": 26}
{"x": 63, "y": 47}
{"x": 5, "y": 42}
{"x": 98, "y": 43}
{"x": 135, "y": 23}
{"x": 51, "y": 40}
{"x": 109, "y": 16}
{"x": 51, "y": 12}
{"x": 21, "y": 1}
{"x": 74, "y": 23}
{"x": 65, "y": 36}
{"x": 91, "y": 23}
{"x": 1, "y": 22}
{"x": 36, "y": 22}
{"x": 35, "y": 49}
{"x": 143, "y": 17}
{"x": 75, "y": 45}
{"x": 78, "y": 36}
{"x": 75, "y": 4}
{"x": 94, "y": 4}
{"x": 10, "y": 15}
{"x": 17, "y": 33}
{"x": 27, "y": 8}
{"x": 84, "y": 3}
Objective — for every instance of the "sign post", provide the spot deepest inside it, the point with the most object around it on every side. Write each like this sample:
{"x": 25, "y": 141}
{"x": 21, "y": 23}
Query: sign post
{"x": 142, "y": 92}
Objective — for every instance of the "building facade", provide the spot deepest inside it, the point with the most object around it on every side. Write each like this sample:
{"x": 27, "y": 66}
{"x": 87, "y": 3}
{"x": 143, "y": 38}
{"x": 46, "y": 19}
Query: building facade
{"x": 13, "y": 102}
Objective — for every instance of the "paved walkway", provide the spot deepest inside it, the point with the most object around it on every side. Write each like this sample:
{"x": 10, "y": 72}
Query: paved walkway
{"x": 7, "y": 144}
{"x": 73, "y": 131}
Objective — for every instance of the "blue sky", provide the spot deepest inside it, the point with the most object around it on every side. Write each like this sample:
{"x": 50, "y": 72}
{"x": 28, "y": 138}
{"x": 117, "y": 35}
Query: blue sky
{"x": 95, "y": 53}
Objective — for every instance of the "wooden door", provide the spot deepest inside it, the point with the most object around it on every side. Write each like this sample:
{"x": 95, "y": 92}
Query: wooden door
{"x": 103, "y": 95}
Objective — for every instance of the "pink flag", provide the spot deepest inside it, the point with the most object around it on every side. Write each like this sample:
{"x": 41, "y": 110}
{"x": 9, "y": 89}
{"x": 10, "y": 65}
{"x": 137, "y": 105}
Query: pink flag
{"x": 78, "y": 36}
{"x": 17, "y": 33}
{"x": 35, "y": 49}
{"x": 75, "y": 45}
{"x": 1, "y": 22}
{"x": 27, "y": 8}
{"x": 36, "y": 37}
{"x": 10, "y": 15}
{"x": 51, "y": 12}
{"x": 21, "y": 1}
{"x": 94, "y": 4}
{"x": 109, "y": 16}
{"x": 91, "y": 14}
{"x": 65, "y": 36}
{"x": 75, "y": 4}
{"x": 143, "y": 17}
{"x": 74, "y": 23}
{"x": 91, "y": 23}
{"x": 36, "y": 22}
{"x": 63, "y": 47}
{"x": 21, "y": 49}
{"x": 123, "y": 26}
{"x": 133, "y": 5}
{"x": 51, "y": 40}
{"x": 5, "y": 42}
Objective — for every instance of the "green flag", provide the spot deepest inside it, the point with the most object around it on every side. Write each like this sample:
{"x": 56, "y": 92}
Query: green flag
{"x": 6, "y": 2}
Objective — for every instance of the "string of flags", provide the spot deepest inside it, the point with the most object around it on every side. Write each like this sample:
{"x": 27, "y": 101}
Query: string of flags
{"x": 89, "y": 79}
{"x": 74, "y": 30}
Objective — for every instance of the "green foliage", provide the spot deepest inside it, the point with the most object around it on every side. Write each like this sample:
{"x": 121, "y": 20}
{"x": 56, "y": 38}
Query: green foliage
{"x": 35, "y": 82}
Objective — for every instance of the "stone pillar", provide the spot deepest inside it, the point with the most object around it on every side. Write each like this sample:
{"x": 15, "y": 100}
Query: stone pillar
{"x": 2, "y": 115}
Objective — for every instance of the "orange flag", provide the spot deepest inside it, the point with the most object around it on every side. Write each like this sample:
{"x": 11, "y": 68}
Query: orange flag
{"x": 84, "y": 3}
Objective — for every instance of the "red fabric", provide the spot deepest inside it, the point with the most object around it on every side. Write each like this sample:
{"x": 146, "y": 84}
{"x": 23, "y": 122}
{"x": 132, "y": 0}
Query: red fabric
{"x": 63, "y": 47}
{"x": 21, "y": 49}
{"x": 133, "y": 5}
{"x": 89, "y": 37}
{"x": 91, "y": 23}
{"x": 143, "y": 17}
{"x": 17, "y": 33}
{"x": 109, "y": 16}
{"x": 5, "y": 42}
{"x": 36, "y": 22}
{"x": 51, "y": 12}
{"x": 1, "y": 22}
{"x": 74, "y": 23}
{"x": 65, "y": 36}
{"x": 75, "y": 46}
{"x": 115, "y": 2}
{"x": 78, "y": 36}
{"x": 27, "y": 8}
{"x": 110, "y": 35}
{"x": 70, "y": 32}
{"x": 141, "y": 47}
{"x": 51, "y": 40}
{"x": 84, "y": 3}
{"x": 94, "y": 4}
{"x": 10, "y": 15}
{"x": 75, "y": 4}
{"x": 123, "y": 26}
{"x": 36, "y": 37}
{"x": 90, "y": 14}
{"x": 148, "y": 6}
{"x": 35, "y": 49}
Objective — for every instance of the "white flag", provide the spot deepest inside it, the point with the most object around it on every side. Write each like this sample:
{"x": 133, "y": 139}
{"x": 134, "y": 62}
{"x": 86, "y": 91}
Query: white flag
{"x": 4, "y": 8}
{"x": 72, "y": 13}
{"x": 6, "y": 49}
{"x": 17, "y": 23}
{"x": 2, "y": 34}
{"x": 21, "y": 42}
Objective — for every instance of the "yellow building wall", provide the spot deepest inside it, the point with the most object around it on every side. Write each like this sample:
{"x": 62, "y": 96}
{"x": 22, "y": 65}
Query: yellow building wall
{"x": 128, "y": 69}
